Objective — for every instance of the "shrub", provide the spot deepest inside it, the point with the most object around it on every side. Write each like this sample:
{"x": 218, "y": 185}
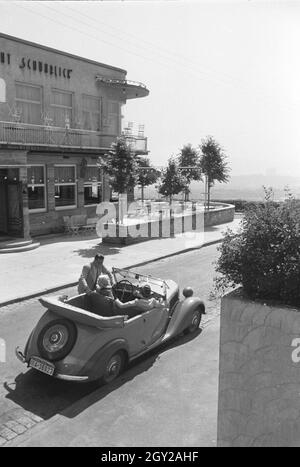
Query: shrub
{"x": 242, "y": 205}
{"x": 264, "y": 257}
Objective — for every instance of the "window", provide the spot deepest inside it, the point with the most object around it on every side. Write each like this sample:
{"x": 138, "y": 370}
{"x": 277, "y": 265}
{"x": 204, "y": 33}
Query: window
{"x": 92, "y": 186}
{"x": 29, "y": 101}
{"x": 36, "y": 188}
{"x": 112, "y": 120}
{"x": 91, "y": 113}
{"x": 65, "y": 187}
{"x": 62, "y": 108}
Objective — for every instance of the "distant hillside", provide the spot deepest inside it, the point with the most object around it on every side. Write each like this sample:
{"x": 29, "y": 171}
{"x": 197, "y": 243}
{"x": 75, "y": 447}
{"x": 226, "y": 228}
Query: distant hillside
{"x": 258, "y": 180}
{"x": 247, "y": 187}
{"x": 250, "y": 187}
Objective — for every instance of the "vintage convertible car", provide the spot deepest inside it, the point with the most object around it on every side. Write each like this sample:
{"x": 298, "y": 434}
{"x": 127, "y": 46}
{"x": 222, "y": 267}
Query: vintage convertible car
{"x": 73, "y": 342}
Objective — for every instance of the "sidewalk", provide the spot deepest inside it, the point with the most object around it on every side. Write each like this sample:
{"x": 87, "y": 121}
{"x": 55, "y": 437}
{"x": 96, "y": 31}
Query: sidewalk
{"x": 59, "y": 260}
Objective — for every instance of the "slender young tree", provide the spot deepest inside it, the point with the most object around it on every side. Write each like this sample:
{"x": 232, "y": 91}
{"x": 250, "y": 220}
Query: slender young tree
{"x": 172, "y": 181}
{"x": 189, "y": 157}
{"x": 147, "y": 174}
{"x": 121, "y": 165}
{"x": 213, "y": 164}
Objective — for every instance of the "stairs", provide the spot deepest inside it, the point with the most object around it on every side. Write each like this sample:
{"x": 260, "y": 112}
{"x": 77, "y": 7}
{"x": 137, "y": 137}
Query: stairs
{"x": 17, "y": 245}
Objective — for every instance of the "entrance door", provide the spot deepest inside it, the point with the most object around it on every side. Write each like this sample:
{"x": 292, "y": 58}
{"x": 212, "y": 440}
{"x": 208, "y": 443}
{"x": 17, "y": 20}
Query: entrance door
{"x": 15, "y": 210}
{"x": 3, "y": 202}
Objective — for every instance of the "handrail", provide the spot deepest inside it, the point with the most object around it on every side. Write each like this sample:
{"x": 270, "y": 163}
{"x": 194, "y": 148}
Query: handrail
{"x": 122, "y": 82}
{"x": 31, "y": 134}
{"x": 33, "y": 126}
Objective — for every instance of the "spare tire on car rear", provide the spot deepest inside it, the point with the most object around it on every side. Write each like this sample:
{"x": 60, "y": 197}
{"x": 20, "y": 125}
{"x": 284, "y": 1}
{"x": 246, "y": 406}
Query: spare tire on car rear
{"x": 57, "y": 339}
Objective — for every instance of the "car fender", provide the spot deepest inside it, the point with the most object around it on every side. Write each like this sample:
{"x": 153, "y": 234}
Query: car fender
{"x": 182, "y": 315}
{"x": 27, "y": 345}
{"x": 95, "y": 367}
{"x": 31, "y": 347}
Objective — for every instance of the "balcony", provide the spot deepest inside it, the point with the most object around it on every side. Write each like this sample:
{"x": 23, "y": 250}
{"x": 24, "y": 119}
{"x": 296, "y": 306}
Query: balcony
{"x": 130, "y": 89}
{"x": 23, "y": 134}
{"x": 137, "y": 144}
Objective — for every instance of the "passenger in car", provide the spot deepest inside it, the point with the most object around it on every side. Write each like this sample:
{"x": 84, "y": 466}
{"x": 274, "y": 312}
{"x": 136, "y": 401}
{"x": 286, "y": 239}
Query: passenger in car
{"x": 101, "y": 301}
{"x": 103, "y": 286}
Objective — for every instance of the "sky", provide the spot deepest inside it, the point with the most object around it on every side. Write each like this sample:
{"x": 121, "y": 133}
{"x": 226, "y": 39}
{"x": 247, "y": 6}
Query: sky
{"x": 229, "y": 69}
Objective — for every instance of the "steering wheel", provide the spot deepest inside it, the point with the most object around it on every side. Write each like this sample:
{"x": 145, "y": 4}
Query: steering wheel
{"x": 122, "y": 287}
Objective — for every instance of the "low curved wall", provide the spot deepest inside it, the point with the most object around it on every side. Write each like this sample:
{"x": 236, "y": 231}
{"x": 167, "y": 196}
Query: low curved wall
{"x": 169, "y": 227}
{"x": 223, "y": 214}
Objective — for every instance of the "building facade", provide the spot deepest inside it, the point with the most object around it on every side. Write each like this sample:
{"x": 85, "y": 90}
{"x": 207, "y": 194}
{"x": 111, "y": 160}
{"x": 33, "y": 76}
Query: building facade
{"x": 58, "y": 114}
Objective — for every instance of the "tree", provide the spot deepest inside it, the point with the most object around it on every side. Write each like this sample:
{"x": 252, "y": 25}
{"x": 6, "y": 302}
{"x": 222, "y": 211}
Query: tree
{"x": 172, "y": 181}
{"x": 147, "y": 175}
{"x": 121, "y": 166}
{"x": 189, "y": 157}
{"x": 213, "y": 164}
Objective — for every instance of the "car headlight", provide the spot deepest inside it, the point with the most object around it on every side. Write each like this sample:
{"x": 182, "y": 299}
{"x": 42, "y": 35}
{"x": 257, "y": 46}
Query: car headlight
{"x": 187, "y": 292}
{"x": 57, "y": 339}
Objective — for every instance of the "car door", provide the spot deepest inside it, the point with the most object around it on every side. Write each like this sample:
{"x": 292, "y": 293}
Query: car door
{"x": 155, "y": 322}
{"x": 134, "y": 332}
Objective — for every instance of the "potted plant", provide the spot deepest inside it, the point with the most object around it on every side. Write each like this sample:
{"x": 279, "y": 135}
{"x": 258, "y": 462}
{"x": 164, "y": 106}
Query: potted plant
{"x": 259, "y": 380}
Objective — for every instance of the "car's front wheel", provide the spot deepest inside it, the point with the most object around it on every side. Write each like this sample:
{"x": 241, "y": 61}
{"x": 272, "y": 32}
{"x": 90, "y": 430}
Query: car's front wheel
{"x": 113, "y": 367}
{"x": 195, "y": 321}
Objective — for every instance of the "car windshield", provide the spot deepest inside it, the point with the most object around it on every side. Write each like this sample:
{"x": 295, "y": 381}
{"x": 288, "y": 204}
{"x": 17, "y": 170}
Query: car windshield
{"x": 158, "y": 286}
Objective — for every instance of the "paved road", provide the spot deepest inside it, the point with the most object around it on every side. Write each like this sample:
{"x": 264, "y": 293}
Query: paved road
{"x": 169, "y": 383}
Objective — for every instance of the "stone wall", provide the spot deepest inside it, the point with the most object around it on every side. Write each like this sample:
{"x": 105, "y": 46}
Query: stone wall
{"x": 222, "y": 214}
{"x": 259, "y": 381}
{"x": 164, "y": 228}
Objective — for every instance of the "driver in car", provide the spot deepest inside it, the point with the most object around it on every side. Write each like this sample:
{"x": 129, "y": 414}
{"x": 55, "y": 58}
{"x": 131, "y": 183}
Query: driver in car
{"x": 144, "y": 303}
{"x": 104, "y": 303}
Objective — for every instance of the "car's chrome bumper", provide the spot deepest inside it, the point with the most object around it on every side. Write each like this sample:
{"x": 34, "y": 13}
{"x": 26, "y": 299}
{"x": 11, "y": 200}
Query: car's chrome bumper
{"x": 20, "y": 355}
{"x": 22, "y": 359}
{"x": 71, "y": 378}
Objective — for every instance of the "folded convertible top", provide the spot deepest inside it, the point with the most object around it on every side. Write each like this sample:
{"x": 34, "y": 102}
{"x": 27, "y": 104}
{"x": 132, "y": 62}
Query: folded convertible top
{"x": 81, "y": 316}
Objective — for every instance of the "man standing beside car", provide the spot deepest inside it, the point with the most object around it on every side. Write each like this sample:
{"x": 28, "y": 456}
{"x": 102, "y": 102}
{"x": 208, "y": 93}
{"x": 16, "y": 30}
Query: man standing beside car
{"x": 90, "y": 274}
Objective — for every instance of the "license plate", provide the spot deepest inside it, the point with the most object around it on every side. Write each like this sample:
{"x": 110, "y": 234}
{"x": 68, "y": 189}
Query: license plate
{"x": 42, "y": 365}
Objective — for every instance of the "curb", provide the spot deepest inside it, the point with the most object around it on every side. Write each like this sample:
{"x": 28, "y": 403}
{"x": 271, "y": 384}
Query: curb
{"x": 73, "y": 284}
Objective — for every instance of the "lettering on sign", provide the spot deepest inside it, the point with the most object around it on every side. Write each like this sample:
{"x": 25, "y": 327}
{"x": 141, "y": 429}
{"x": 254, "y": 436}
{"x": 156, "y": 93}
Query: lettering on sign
{"x": 37, "y": 65}
{"x": 4, "y": 58}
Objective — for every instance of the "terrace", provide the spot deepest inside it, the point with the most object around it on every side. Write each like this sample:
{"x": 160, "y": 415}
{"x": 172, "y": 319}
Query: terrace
{"x": 23, "y": 134}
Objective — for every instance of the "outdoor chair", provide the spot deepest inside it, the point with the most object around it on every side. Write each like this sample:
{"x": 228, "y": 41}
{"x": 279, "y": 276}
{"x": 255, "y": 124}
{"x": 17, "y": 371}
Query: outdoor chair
{"x": 90, "y": 226}
{"x": 67, "y": 225}
{"x": 74, "y": 224}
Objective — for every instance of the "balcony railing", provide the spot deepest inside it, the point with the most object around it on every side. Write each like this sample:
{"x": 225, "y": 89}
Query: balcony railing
{"x": 131, "y": 89}
{"x": 37, "y": 135}
{"x": 137, "y": 144}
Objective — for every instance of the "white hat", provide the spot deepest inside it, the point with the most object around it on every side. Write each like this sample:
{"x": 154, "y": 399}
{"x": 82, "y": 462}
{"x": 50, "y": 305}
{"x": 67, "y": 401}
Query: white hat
{"x": 103, "y": 282}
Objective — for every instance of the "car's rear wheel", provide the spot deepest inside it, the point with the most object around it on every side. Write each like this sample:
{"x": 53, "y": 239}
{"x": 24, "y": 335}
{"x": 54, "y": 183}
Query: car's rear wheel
{"x": 114, "y": 365}
{"x": 195, "y": 321}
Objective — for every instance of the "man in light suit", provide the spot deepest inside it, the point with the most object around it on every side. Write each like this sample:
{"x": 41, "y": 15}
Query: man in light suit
{"x": 90, "y": 274}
